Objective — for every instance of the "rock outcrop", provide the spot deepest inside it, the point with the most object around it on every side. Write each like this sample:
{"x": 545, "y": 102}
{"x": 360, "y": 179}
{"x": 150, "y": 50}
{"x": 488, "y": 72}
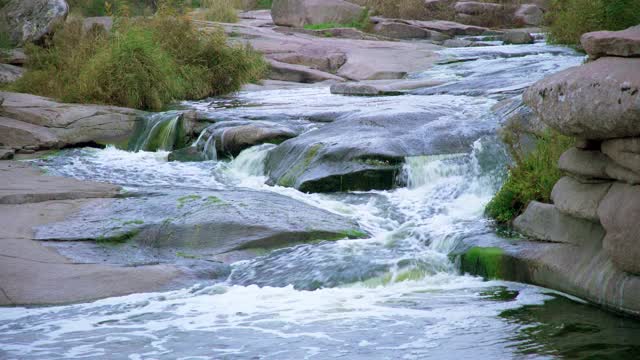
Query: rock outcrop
{"x": 600, "y": 104}
{"x": 612, "y": 43}
{"x": 298, "y": 13}
{"x": 32, "y": 20}
{"x": 29, "y": 122}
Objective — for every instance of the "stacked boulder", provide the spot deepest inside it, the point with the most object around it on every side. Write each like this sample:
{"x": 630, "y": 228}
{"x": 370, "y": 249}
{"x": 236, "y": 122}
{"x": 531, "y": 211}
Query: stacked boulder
{"x": 499, "y": 14}
{"x": 598, "y": 202}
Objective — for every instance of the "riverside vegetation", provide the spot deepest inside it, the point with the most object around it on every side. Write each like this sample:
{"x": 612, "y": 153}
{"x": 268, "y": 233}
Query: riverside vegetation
{"x": 157, "y": 60}
{"x": 533, "y": 175}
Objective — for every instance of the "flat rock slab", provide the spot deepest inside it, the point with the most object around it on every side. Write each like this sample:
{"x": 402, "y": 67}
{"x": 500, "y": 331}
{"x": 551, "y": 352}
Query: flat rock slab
{"x": 381, "y": 87}
{"x": 22, "y": 183}
{"x": 624, "y": 43}
{"x": 201, "y": 224}
{"x": 29, "y": 120}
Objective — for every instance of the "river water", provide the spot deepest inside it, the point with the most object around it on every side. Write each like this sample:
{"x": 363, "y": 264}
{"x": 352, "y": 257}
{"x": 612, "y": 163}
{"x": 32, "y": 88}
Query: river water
{"x": 395, "y": 295}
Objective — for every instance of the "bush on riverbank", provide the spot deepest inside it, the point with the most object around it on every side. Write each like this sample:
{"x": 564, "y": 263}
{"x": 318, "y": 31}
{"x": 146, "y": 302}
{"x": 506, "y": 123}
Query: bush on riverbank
{"x": 221, "y": 10}
{"x": 569, "y": 19}
{"x": 144, "y": 64}
{"x": 531, "y": 178}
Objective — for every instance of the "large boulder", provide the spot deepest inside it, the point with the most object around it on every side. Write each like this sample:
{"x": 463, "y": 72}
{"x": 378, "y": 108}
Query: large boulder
{"x": 32, "y": 20}
{"x": 517, "y": 37}
{"x": 619, "y": 212}
{"x": 477, "y": 8}
{"x": 450, "y": 28}
{"x": 400, "y": 30}
{"x": 368, "y": 152}
{"x": 612, "y": 43}
{"x": 39, "y": 122}
{"x": 298, "y": 13}
{"x": 231, "y": 137}
{"x": 545, "y": 223}
{"x": 529, "y": 14}
{"x": 598, "y": 100}
{"x": 298, "y": 73}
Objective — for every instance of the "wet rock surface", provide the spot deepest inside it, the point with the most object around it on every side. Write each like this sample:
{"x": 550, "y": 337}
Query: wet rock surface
{"x": 196, "y": 225}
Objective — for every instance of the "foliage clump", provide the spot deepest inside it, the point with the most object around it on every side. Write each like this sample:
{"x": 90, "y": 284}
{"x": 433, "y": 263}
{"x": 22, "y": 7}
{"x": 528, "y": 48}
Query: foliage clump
{"x": 142, "y": 63}
{"x": 531, "y": 178}
{"x": 569, "y": 19}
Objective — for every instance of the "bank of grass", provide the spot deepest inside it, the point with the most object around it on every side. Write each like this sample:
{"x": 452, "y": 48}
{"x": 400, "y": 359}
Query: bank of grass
{"x": 530, "y": 179}
{"x": 569, "y": 19}
{"x": 144, "y": 63}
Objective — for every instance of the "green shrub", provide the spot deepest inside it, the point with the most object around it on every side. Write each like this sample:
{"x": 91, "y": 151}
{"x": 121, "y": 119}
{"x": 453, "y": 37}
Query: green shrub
{"x": 111, "y": 7}
{"x": 264, "y": 4}
{"x": 221, "y": 10}
{"x": 131, "y": 72}
{"x": 532, "y": 178}
{"x": 569, "y": 19}
{"x": 144, "y": 64}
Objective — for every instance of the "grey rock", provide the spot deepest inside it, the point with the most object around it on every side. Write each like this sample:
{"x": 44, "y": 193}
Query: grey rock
{"x": 612, "y": 43}
{"x": 625, "y": 152}
{"x": 450, "y": 28}
{"x": 231, "y": 137}
{"x": 584, "y": 163}
{"x": 381, "y": 87}
{"x": 10, "y": 73}
{"x": 529, "y": 14}
{"x": 404, "y": 31}
{"x": 298, "y": 13}
{"x": 577, "y": 199}
{"x": 544, "y": 222}
{"x": 619, "y": 212}
{"x": 327, "y": 62}
{"x": 298, "y": 73}
{"x": 599, "y": 100}
{"x": 517, "y": 37}
{"x": 477, "y": 8}
{"x": 365, "y": 152}
{"x": 32, "y": 20}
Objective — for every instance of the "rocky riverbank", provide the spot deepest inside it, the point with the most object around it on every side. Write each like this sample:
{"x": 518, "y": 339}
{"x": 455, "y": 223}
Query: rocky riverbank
{"x": 593, "y": 218}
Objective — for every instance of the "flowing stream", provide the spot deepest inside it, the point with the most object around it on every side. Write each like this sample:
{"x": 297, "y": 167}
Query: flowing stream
{"x": 395, "y": 295}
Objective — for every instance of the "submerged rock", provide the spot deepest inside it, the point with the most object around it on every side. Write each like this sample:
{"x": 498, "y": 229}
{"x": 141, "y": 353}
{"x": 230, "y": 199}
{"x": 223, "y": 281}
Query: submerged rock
{"x": 200, "y": 224}
{"x": 517, "y": 37}
{"x": 32, "y": 20}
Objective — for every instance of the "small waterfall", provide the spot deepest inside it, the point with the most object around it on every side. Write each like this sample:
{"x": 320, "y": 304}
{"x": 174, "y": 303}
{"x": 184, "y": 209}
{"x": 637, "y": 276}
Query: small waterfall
{"x": 250, "y": 162}
{"x": 158, "y": 132}
{"x": 424, "y": 170}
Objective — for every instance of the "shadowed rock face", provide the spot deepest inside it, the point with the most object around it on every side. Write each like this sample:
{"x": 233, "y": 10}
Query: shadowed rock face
{"x": 32, "y": 20}
{"x": 200, "y": 224}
